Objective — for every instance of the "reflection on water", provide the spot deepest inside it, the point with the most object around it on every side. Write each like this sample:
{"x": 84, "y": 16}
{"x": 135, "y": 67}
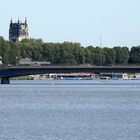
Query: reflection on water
{"x": 70, "y": 110}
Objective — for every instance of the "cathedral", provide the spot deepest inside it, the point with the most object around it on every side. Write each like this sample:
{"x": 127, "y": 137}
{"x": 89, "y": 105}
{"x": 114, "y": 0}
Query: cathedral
{"x": 18, "y": 30}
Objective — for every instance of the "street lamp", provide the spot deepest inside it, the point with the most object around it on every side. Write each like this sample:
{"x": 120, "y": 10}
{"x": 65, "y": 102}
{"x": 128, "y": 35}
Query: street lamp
{"x": 101, "y": 55}
{"x": 0, "y": 60}
{"x": 16, "y": 60}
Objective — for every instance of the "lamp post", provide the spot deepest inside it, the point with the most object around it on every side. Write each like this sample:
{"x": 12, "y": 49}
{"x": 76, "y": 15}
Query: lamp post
{"x": 16, "y": 60}
{"x": 101, "y": 55}
{"x": 0, "y": 60}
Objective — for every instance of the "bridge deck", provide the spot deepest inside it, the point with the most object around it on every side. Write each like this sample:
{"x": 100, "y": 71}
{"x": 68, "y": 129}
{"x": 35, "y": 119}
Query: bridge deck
{"x": 20, "y": 71}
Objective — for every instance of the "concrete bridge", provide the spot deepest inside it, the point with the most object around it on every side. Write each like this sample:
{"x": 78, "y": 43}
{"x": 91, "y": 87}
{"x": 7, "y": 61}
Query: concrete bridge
{"x": 7, "y": 72}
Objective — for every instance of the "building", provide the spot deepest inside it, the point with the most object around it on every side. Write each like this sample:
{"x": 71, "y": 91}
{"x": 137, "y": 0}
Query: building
{"x": 28, "y": 62}
{"x": 18, "y": 30}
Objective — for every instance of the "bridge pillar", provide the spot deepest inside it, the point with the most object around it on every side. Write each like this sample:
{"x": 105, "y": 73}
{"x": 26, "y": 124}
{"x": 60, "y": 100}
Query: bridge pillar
{"x": 5, "y": 80}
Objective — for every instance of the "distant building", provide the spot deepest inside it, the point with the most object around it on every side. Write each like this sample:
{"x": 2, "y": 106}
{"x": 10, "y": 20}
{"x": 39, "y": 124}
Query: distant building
{"x": 28, "y": 62}
{"x": 18, "y": 30}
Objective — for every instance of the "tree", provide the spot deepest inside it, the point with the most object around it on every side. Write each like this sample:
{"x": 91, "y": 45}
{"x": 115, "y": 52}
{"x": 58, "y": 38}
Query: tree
{"x": 122, "y": 55}
{"x": 135, "y": 55}
{"x": 109, "y": 55}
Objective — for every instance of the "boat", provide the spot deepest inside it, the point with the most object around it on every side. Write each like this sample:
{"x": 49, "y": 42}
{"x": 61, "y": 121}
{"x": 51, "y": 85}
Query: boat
{"x": 105, "y": 78}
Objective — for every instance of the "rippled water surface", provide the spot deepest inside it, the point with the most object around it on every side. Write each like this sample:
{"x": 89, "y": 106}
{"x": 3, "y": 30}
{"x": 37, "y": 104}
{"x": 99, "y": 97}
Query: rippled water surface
{"x": 70, "y": 110}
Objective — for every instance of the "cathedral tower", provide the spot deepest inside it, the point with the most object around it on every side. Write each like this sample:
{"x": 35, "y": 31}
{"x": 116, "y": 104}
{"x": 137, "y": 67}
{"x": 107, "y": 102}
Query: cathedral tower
{"x": 18, "y": 30}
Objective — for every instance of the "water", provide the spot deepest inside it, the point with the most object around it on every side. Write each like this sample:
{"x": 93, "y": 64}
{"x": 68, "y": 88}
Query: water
{"x": 70, "y": 110}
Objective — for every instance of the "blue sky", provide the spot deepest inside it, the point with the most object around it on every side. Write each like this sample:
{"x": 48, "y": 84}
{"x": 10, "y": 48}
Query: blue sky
{"x": 117, "y": 21}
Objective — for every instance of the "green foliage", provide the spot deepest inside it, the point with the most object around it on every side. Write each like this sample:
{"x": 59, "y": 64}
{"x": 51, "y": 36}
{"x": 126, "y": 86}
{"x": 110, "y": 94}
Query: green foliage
{"x": 122, "y": 55}
{"x": 135, "y": 55}
{"x": 22, "y": 78}
{"x": 109, "y": 56}
{"x": 66, "y": 53}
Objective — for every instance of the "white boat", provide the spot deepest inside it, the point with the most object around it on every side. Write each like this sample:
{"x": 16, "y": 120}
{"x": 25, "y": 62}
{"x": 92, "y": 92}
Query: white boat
{"x": 105, "y": 78}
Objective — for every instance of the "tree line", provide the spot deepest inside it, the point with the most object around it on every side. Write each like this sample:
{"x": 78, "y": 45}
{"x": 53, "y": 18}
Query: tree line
{"x": 66, "y": 53}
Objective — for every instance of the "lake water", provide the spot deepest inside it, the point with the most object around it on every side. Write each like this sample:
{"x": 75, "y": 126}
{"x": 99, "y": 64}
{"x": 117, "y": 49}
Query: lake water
{"x": 70, "y": 110}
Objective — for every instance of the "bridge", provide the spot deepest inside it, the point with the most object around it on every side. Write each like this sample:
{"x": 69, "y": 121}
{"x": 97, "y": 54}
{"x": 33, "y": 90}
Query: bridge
{"x": 7, "y": 72}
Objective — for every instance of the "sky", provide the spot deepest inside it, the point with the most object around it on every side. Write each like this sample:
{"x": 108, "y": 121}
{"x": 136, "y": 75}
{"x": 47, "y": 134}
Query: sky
{"x": 83, "y": 21}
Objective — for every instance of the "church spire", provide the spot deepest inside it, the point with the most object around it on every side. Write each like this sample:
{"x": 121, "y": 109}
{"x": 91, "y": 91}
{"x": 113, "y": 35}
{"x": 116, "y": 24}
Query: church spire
{"x": 25, "y": 20}
{"x": 18, "y": 30}
{"x": 18, "y": 20}
{"x": 11, "y": 20}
